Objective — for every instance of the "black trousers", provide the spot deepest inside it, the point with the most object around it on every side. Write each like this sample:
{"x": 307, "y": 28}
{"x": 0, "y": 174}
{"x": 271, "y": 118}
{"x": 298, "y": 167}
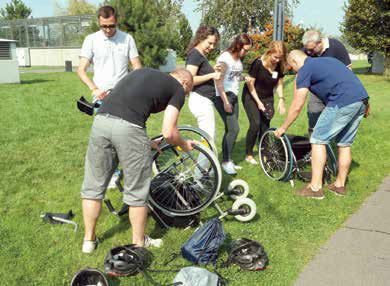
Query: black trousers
{"x": 230, "y": 121}
{"x": 258, "y": 122}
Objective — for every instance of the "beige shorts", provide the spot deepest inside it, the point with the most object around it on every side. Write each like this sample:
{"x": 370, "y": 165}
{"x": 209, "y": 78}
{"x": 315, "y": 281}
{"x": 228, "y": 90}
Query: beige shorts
{"x": 112, "y": 141}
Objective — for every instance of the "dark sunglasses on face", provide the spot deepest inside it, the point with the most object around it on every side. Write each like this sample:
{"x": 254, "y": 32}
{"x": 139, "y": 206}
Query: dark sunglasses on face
{"x": 107, "y": 26}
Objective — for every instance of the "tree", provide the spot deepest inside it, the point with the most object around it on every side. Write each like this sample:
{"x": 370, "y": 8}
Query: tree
{"x": 292, "y": 38}
{"x": 237, "y": 16}
{"x": 75, "y": 7}
{"x": 15, "y": 10}
{"x": 151, "y": 23}
{"x": 183, "y": 37}
{"x": 366, "y": 27}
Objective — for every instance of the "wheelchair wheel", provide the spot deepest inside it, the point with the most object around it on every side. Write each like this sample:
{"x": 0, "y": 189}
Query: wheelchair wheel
{"x": 240, "y": 188}
{"x": 187, "y": 182}
{"x": 246, "y": 205}
{"x": 193, "y": 133}
{"x": 275, "y": 156}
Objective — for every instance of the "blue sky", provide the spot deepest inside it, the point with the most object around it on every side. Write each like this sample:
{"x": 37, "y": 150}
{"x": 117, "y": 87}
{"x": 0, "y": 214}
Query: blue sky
{"x": 322, "y": 14}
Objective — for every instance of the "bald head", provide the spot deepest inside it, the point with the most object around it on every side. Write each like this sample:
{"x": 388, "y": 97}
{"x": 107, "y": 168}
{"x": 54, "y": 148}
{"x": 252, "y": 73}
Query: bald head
{"x": 185, "y": 78}
{"x": 295, "y": 59}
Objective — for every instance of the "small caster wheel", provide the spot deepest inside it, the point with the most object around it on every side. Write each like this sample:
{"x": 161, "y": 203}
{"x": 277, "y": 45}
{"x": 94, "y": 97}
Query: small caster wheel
{"x": 248, "y": 207}
{"x": 240, "y": 189}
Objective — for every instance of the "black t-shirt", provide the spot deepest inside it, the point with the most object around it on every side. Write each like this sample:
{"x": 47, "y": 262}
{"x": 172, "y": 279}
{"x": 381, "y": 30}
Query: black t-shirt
{"x": 142, "y": 92}
{"x": 265, "y": 81}
{"x": 338, "y": 51}
{"x": 207, "y": 88}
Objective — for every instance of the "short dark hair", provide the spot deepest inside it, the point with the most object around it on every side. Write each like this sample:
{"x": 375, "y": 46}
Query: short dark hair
{"x": 106, "y": 12}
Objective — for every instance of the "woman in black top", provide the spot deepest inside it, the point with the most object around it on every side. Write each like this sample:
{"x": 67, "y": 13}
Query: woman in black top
{"x": 265, "y": 74}
{"x": 201, "y": 98}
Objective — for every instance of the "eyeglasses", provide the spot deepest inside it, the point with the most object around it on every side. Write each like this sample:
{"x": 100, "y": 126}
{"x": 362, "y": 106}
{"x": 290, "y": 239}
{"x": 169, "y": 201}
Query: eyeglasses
{"x": 108, "y": 26}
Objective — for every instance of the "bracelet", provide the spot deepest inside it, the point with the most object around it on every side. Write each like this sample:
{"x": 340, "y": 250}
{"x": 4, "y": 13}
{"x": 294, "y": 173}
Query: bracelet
{"x": 93, "y": 89}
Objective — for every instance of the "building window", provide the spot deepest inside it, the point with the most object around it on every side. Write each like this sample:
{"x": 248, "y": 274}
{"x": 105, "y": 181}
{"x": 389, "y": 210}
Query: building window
{"x": 5, "y": 51}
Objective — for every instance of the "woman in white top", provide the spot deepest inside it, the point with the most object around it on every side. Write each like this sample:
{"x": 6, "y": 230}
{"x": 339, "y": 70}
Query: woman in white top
{"x": 226, "y": 102}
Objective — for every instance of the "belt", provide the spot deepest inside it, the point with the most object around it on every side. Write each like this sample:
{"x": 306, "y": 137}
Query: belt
{"x": 116, "y": 117}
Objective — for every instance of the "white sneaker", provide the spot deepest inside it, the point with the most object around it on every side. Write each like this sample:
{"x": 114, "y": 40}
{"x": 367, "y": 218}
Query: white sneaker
{"x": 251, "y": 161}
{"x": 228, "y": 167}
{"x": 236, "y": 167}
{"x": 112, "y": 184}
{"x": 89, "y": 246}
{"x": 148, "y": 241}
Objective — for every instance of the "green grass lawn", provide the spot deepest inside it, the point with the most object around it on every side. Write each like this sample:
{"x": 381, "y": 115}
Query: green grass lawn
{"x": 43, "y": 143}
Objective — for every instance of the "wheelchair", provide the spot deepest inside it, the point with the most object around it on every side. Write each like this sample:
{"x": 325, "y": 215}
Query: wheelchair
{"x": 184, "y": 183}
{"x": 288, "y": 157}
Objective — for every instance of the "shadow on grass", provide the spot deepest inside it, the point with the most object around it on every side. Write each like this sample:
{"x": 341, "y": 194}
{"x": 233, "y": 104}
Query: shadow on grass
{"x": 121, "y": 226}
{"x": 32, "y": 81}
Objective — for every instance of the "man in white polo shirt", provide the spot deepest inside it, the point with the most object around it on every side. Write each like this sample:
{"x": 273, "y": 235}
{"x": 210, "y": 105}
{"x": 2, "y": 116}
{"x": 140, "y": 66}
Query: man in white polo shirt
{"x": 109, "y": 50}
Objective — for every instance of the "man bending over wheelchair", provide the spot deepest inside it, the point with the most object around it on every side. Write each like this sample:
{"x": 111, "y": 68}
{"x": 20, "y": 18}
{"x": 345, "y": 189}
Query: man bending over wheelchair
{"x": 345, "y": 102}
{"x": 118, "y": 135}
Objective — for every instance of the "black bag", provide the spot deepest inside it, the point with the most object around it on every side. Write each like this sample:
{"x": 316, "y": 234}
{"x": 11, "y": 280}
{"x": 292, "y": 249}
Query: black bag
{"x": 85, "y": 106}
{"x": 202, "y": 247}
{"x": 232, "y": 97}
{"x": 269, "y": 109}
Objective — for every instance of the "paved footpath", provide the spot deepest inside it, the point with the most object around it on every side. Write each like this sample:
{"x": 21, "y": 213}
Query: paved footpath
{"x": 359, "y": 252}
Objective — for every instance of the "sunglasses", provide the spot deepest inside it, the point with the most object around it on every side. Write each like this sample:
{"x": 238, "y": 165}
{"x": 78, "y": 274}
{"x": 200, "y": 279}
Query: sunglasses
{"x": 107, "y": 26}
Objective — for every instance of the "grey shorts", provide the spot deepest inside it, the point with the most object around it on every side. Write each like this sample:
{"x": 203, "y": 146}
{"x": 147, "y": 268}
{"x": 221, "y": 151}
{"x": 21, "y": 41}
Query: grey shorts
{"x": 112, "y": 141}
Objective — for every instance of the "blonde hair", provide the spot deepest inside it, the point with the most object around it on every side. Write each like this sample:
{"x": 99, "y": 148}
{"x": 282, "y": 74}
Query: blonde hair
{"x": 276, "y": 47}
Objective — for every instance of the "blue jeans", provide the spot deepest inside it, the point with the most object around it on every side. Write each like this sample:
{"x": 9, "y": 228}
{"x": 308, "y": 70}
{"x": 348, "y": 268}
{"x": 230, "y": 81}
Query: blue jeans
{"x": 338, "y": 124}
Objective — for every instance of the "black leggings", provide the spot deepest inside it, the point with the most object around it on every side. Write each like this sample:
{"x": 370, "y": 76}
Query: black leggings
{"x": 230, "y": 121}
{"x": 258, "y": 123}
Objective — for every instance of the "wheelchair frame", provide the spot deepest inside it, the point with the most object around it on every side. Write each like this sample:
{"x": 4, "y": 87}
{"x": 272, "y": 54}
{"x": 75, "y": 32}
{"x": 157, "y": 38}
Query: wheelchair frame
{"x": 186, "y": 183}
{"x": 279, "y": 162}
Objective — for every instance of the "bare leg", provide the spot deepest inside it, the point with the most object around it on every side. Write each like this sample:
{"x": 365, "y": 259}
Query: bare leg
{"x": 137, "y": 217}
{"x": 318, "y": 159}
{"x": 91, "y": 210}
{"x": 343, "y": 161}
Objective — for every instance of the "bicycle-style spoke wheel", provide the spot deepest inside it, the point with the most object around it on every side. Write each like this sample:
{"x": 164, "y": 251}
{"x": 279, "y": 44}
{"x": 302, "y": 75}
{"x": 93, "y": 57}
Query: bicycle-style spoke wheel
{"x": 275, "y": 156}
{"x": 186, "y": 182}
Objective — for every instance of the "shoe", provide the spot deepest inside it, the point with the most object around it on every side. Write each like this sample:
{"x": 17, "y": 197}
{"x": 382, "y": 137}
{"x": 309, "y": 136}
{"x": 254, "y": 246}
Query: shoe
{"x": 112, "y": 184}
{"x": 251, "y": 161}
{"x": 309, "y": 193}
{"x": 148, "y": 241}
{"x": 89, "y": 246}
{"x": 236, "y": 167}
{"x": 228, "y": 167}
{"x": 339, "y": 191}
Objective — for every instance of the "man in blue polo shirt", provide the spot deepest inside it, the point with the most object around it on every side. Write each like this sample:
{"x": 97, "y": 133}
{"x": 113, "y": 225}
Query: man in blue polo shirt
{"x": 344, "y": 97}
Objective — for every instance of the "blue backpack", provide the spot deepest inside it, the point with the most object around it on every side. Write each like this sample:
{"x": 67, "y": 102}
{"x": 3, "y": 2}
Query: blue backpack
{"x": 202, "y": 247}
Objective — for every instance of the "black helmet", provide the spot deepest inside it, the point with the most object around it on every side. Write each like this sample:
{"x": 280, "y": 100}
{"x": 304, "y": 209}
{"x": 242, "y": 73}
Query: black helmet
{"x": 125, "y": 260}
{"x": 247, "y": 254}
{"x": 89, "y": 276}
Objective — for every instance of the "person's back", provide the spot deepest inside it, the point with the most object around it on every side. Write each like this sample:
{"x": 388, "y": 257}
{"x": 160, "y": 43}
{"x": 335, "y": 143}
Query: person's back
{"x": 331, "y": 81}
{"x": 142, "y": 92}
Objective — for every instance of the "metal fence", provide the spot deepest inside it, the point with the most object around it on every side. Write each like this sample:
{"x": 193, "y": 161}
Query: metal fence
{"x": 63, "y": 31}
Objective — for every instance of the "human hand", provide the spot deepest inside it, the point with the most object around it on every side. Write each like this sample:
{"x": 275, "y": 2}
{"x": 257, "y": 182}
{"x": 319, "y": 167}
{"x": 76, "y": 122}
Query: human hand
{"x": 218, "y": 67}
{"x": 154, "y": 144}
{"x": 279, "y": 132}
{"x": 216, "y": 75}
{"x": 281, "y": 108}
{"x": 227, "y": 107}
{"x": 98, "y": 94}
{"x": 187, "y": 145}
{"x": 260, "y": 106}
